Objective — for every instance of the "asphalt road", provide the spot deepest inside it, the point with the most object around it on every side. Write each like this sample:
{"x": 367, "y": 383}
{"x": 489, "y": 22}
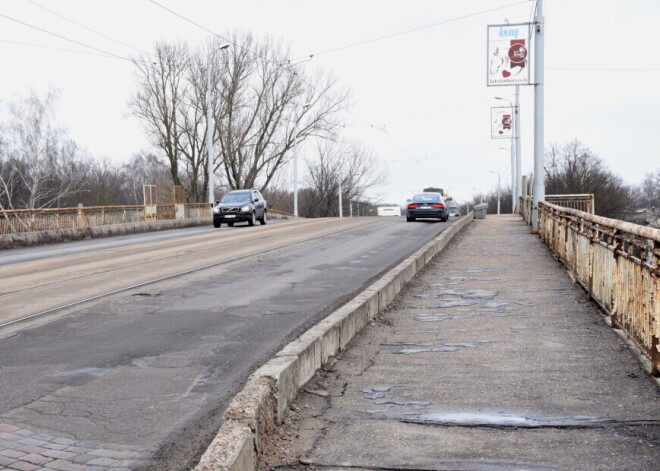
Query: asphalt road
{"x": 139, "y": 379}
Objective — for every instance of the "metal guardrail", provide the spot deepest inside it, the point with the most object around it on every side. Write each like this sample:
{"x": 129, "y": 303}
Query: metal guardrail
{"x": 617, "y": 262}
{"x": 583, "y": 202}
{"x": 33, "y": 220}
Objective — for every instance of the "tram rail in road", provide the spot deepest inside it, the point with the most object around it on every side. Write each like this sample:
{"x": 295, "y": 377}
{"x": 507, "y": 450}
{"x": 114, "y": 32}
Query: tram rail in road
{"x": 22, "y": 282}
{"x": 165, "y": 332}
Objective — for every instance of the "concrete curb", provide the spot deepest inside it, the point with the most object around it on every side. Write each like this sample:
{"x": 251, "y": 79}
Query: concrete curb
{"x": 262, "y": 404}
{"x": 53, "y": 236}
{"x": 30, "y": 239}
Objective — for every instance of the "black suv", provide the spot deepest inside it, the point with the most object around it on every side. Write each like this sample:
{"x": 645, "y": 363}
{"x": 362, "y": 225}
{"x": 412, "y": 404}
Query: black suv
{"x": 240, "y": 206}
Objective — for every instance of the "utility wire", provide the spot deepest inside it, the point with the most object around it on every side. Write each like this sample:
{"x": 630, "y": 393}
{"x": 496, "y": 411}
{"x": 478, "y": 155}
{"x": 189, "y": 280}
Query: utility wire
{"x": 413, "y": 30}
{"x": 63, "y": 37}
{"x": 85, "y": 27}
{"x": 57, "y": 48}
{"x": 601, "y": 69}
{"x": 436, "y": 113}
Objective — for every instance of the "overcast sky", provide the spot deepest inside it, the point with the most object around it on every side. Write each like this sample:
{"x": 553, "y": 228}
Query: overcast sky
{"x": 420, "y": 98}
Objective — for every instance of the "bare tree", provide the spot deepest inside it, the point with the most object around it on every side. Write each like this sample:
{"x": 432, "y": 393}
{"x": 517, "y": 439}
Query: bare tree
{"x": 164, "y": 103}
{"x": 574, "y": 169}
{"x": 649, "y": 190}
{"x": 357, "y": 169}
{"x": 41, "y": 167}
{"x": 270, "y": 108}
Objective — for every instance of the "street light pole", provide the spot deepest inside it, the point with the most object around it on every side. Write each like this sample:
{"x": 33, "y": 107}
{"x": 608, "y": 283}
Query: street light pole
{"x": 295, "y": 169}
{"x": 209, "y": 137}
{"x": 340, "y": 203}
{"x": 514, "y": 174}
{"x": 539, "y": 180}
{"x": 517, "y": 188}
{"x": 209, "y": 132}
{"x": 499, "y": 190}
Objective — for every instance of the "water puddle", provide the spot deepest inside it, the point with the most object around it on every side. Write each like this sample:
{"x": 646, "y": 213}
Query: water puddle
{"x": 96, "y": 372}
{"x": 378, "y": 392}
{"x": 488, "y": 305}
{"x": 440, "y": 317}
{"x": 464, "y": 294}
{"x": 572, "y": 332}
{"x": 435, "y": 347}
{"x": 501, "y": 419}
{"x": 79, "y": 377}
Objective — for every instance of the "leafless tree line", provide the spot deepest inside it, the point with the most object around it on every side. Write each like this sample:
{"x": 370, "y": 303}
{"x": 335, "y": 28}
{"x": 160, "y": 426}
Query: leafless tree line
{"x": 262, "y": 109}
{"x": 573, "y": 168}
{"x": 42, "y": 167}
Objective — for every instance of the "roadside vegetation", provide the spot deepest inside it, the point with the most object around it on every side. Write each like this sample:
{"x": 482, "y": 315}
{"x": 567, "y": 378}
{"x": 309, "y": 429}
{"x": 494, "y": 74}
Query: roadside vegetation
{"x": 265, "y": 113}
{"x": 573, "y": 168}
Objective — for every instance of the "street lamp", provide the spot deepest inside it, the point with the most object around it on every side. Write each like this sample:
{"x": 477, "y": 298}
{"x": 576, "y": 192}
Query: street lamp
{"x": 295, "y": 167}
{"x": 499, "y": 189}
{"x": 209, "y": 131}
{"x": 516, "y": 188}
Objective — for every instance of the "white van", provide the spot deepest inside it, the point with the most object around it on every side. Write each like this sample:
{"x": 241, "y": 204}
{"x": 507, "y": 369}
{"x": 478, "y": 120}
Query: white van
{"x": 389, "y": 210}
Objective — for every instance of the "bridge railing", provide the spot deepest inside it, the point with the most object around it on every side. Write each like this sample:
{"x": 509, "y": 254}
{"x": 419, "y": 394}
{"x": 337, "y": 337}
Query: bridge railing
{"x": 33, "y": 220}
{"x": 583, "y": 202}
{"x": 617, "y": 262}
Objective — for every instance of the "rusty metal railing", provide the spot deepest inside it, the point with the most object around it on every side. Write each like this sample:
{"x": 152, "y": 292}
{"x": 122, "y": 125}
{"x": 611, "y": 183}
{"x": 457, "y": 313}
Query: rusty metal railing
{"x": 617, "y": 262}
{"x": 583, "y": 202}
{"x": 33, "y": 220}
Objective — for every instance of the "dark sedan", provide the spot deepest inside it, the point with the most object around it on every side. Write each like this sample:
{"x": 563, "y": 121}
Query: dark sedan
{"x": 427, "y": 205}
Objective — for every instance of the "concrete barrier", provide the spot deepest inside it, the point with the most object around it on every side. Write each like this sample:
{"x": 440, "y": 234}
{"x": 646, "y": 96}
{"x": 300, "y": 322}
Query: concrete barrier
{"x": 262, "y": 404}
{"x": 29, "y": 239}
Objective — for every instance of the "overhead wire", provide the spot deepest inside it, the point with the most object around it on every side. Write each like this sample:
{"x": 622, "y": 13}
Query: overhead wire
{"x": 86, "y": 27}
{"x": 413, "y": 30}
{"x": 56, "y": 48}
{"x": 63, "y": 37}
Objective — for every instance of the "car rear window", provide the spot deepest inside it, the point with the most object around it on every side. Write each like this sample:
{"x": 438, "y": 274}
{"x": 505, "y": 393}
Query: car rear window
{"x": 426, "y": 198}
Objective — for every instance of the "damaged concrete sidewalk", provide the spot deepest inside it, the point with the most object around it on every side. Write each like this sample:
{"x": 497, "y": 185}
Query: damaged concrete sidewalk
{"x": 492, "y": 358}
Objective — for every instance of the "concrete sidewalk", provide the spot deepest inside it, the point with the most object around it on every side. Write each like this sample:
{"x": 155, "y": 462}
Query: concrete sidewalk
{"x": 491, "y": 359}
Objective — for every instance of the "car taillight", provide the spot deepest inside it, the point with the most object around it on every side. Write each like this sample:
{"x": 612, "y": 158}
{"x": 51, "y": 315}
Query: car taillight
{"x": 412, "y": 206}
{"x": 439, "y": 205}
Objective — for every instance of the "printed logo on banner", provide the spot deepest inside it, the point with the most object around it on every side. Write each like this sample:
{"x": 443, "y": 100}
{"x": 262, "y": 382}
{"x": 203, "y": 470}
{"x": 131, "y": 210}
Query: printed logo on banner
{"x": 508, "y": 56}
{"x": 501, "y": 119}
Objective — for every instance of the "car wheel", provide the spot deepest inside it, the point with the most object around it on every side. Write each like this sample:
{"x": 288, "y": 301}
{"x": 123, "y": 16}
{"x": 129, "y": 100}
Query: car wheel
{"x": 409, "y": 219}
{"x": 230, "y": 224}
{"x": 264, "y": 219}
{"x": 252, "y": 220}
{"x": 216, "y": 224}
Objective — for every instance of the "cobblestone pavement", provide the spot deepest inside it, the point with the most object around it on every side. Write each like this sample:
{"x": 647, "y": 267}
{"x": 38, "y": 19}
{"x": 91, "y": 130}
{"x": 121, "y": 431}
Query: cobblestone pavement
{"x": 25, "y": 450}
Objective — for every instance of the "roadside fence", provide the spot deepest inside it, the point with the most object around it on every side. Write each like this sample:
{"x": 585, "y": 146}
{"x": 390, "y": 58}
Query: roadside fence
{"x": 617, "y": 262}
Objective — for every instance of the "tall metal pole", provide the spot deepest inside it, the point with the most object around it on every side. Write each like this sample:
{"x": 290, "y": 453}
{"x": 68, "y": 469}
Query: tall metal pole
{"x": 539, "y": 182}
{"x": 499, "y": 192}
{"x": 295, "y": 184}
{"x": 513, "y": 162}
{"x": 209, "y": 135}
{"x": 516, "y": 129}
{"x": 340, "y": 204}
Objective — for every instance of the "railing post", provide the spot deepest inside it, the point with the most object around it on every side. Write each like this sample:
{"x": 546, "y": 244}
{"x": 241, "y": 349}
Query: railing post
{"x": 655, "y": 355}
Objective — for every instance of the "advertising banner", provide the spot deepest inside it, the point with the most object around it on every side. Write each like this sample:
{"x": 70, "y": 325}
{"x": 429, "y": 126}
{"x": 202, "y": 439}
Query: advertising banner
{"x": 501, "y": 122}
{"x": 508, "y": 55}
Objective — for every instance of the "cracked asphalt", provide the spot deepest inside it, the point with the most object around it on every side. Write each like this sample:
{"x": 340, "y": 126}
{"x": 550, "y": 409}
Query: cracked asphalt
{"x": 139, "y": 380}
{"x": 491, "y": 359}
